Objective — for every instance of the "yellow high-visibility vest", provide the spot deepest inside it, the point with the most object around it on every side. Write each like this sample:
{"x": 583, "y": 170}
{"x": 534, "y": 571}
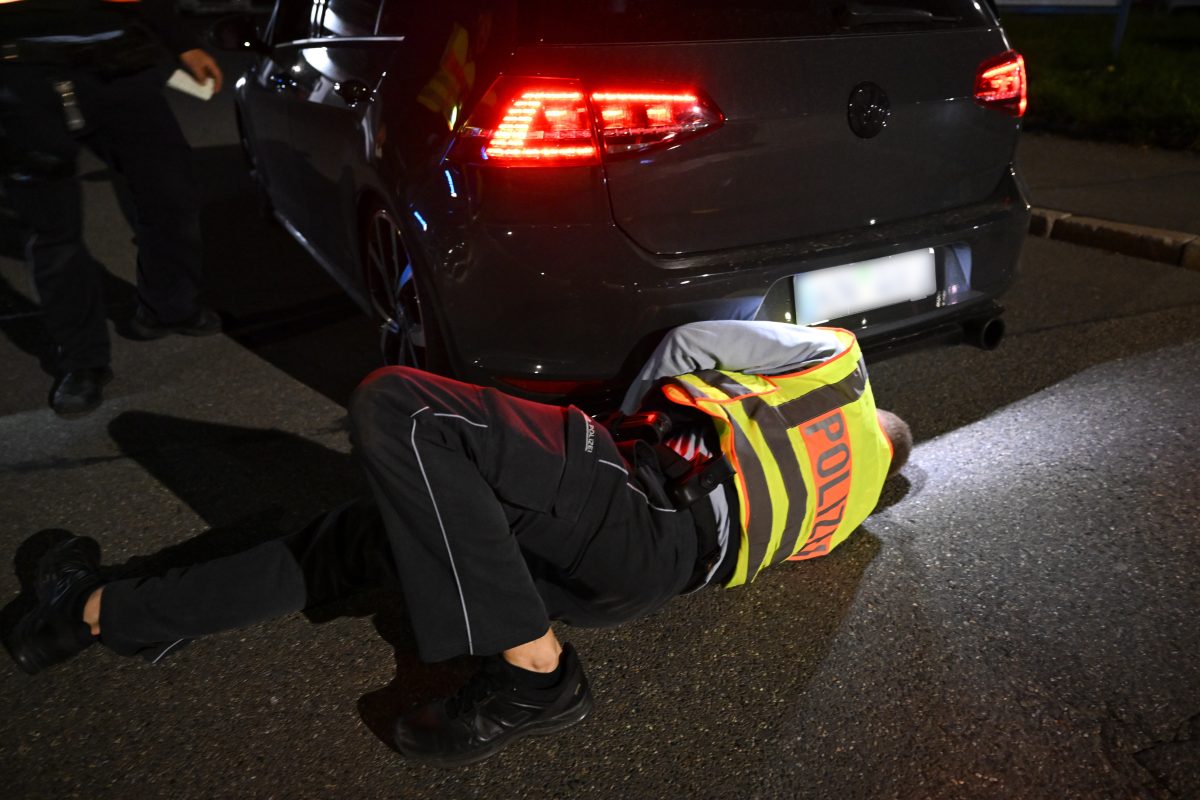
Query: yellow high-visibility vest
{"x": 808, "y": 450}
{"x": 447, "y": 89}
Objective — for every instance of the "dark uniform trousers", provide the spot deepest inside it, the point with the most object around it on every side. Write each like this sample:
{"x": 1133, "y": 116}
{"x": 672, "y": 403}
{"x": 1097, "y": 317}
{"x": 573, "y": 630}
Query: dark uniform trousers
{"x": 131, "y": 127}
{"x": 493, "y": 515}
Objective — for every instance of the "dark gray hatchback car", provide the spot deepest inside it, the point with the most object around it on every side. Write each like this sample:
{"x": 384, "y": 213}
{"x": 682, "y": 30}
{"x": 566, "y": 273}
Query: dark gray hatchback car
{"x": 529, "y": 194}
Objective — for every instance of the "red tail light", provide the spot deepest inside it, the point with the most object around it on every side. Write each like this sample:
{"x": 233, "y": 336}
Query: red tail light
{"x": 544, "y": 125}
{"x": 551, "y": 122}
{"x": 630, "y": 122}
{"x": 1000, "y": 83}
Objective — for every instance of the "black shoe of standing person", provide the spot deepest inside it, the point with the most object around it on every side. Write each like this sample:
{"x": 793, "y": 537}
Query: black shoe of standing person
{"x": 54, "y": 630}
{"x": 144, "y": 325}
{"x": 491, "y": 711}
{"x": 79, "y": 391}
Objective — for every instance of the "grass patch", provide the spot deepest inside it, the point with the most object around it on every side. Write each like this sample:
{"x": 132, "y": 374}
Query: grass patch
{"x": 1150, "y": 95}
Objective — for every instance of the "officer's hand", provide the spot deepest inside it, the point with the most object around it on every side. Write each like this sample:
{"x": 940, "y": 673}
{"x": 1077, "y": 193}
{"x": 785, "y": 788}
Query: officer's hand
{"x": 202, "y": 66}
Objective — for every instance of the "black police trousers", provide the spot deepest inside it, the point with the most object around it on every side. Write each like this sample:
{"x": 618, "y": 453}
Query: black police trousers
{"x": 493, "y": 515}
{"x": 128, "y": 124}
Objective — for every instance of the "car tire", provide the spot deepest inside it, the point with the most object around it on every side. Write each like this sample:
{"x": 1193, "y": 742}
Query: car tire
{"x": 408, "y": 333}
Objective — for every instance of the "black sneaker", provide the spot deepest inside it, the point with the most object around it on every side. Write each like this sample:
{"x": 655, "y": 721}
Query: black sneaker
{"x": 144, "y": 325}
{"x": 54, "y": 630}
{"x": 489, "y": 713}
{"x": 78, "y": 392}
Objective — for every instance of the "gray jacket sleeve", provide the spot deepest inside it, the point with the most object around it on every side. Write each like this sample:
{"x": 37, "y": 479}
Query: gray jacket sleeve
{"x": 759, "y": 348}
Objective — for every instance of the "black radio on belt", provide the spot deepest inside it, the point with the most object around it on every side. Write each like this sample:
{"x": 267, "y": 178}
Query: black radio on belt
{"x": 699, "y": 481}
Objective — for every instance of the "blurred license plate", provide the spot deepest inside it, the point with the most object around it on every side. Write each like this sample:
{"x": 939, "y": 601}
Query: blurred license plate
{"x": 852, "y": 288}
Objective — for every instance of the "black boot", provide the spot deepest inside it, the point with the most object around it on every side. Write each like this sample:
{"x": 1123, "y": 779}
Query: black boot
{"x": 54, "y": 630}
{"x": 145, "y": 326}
{"x": 491, "y": 711}
{"x": 78, "y": 392}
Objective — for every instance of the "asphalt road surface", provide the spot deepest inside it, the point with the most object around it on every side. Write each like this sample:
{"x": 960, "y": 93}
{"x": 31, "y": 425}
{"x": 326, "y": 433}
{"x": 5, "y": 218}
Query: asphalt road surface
{"x": 1017, "y": 621}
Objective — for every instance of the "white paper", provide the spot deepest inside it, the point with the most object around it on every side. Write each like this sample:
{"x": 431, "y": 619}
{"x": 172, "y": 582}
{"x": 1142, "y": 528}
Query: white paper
{"x": 185, "y": 83}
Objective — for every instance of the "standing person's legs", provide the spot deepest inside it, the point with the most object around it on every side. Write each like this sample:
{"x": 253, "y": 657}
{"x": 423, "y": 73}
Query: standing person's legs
{"x": 42, "y": 188}
{"x": 138, "y": 135}
{"x": 69, "y": 281}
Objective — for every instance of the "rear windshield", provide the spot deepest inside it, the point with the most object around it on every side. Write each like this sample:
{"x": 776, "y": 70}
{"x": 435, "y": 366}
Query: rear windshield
{"x": 613, "y": 21}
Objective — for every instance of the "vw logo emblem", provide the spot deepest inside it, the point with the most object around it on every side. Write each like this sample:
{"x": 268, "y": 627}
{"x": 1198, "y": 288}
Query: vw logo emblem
{"x": 868, "y": 110}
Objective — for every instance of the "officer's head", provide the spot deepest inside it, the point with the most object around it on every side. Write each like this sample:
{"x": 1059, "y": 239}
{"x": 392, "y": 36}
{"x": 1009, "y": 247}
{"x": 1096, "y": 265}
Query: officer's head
{"x": 899, "y": 434}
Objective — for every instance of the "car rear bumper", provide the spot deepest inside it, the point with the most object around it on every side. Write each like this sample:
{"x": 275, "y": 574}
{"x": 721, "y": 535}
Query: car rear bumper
{"x": 582, "y": 302}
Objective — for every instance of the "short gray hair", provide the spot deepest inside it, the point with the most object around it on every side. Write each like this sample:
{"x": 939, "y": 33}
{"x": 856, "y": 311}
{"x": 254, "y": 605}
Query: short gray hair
{"x": 900, "y": 435}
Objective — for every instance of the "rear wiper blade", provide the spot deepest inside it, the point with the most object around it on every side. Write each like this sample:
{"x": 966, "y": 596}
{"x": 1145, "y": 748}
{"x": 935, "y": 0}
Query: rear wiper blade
{"x": 858, "y": 15}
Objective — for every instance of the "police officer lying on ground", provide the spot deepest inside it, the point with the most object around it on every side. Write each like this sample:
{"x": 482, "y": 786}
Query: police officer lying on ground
{"x": 495, "y": 515}
{"x": 81, "y": 72}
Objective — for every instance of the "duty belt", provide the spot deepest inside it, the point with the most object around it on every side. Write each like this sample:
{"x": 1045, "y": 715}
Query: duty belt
{"x": 134, "y": 50}
{"x": 26, "y": 52}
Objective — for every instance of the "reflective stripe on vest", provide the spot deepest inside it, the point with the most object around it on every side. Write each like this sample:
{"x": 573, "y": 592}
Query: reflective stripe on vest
{"x": 808, "y": 450}
{"x": 449, "y": 86}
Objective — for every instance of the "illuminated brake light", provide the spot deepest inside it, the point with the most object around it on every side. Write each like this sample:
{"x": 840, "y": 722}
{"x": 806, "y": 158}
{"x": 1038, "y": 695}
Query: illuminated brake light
{"x": 554, "y": 122}
{"x": 544, "y": 126}
{"x": 1000, "y": 83}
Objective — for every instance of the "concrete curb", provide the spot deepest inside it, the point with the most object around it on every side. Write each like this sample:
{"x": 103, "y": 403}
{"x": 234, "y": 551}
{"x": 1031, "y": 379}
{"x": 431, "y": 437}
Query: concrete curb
{"x": 1154, "y": 244}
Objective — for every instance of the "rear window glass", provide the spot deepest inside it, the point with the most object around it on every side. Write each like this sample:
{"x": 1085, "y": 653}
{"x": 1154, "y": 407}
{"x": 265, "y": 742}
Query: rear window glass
{"x": 595, "y": 21}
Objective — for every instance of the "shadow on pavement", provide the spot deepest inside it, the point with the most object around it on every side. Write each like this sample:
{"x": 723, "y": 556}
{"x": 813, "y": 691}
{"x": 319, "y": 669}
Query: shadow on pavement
{"x": 253, "y": 485}
{"x": 21, "y": 319}
{"x": 248, "y": 484}
{"x": 415, "y": 682}
{"x": 21, "y": 323}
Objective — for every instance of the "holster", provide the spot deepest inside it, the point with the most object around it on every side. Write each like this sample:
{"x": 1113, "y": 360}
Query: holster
{"x": 687, "y": 483}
